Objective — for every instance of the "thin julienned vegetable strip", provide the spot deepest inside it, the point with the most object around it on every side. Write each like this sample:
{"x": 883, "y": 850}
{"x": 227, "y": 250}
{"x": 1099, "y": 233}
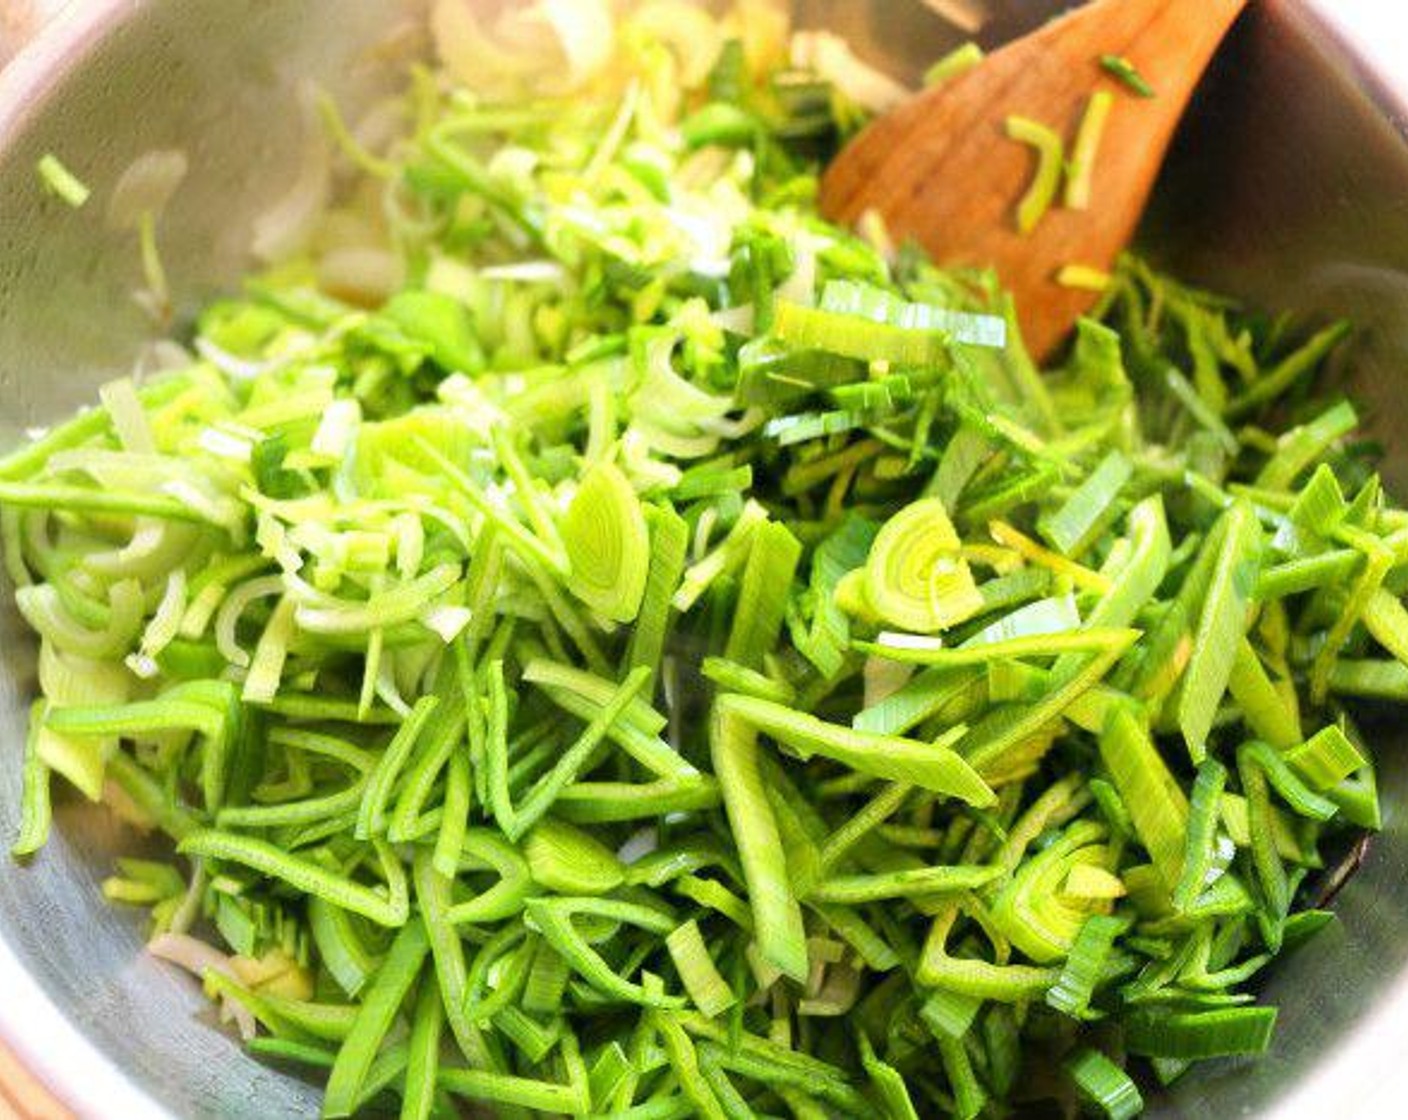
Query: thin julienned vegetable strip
{"x": 1080, "y": 171}
{"x": 777, "y": 917}
{"x": 1046, "y": 178}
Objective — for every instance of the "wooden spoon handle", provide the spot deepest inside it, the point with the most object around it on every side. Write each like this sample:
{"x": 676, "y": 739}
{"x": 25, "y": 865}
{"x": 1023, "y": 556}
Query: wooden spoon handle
{"x": 22, "y": 1097}
{"x": 907, "y": 163}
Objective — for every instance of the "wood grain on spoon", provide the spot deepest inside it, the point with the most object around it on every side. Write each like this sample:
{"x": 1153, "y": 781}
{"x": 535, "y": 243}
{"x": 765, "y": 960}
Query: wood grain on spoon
{"x": 940, "y": 169}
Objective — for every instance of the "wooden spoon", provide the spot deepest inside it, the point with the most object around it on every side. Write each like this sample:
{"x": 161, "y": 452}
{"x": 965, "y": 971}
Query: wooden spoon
{"x": 941, "y": 169}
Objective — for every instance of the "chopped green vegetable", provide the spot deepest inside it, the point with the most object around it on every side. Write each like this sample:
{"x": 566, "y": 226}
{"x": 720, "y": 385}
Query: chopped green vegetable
{"x": 1046, "y": 178}
{"x": 1083, "y": 276}
{"x": 1080, "y": 171}
{"x": 640, "y": 650}
{"x": 958, "y": 61}
{"x": 1124, "y": 71}
{"x": 61, "y": 182}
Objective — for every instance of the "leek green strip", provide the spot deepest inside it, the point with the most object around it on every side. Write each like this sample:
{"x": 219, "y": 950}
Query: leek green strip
{"x": 454, "y": 824}
{"x": 611, "y": 1068}
{"x": 969, "y": 1097}
{"x": 1104, "y": 1084}
{"x": 293, "y": 812}
{"x": 1153, "y": 797}
{"x": 1204, "y": 815}
{"x": 499, "y": 972}
{"x": 36, "y": 812}
{"x": 1201, "y": 411}
{"x": 1010, "y": 983}
{"x": 760, "y": 1061}
{"x": 931, "y": 766}
{"x": 388, "y": 907}
{"x": 496, "y": 748}
{"x": 339, "y": 946}
{"x": 79, "y": 499}
{"x": 725, "y": 1092}
{"x": 949, "y": 1015}
{"x": 1263, "y": 707}
{"x": 29, "y": 459}
{"x": 1221, "y": 626}
{"x": 1386, "y": 619}
{"x": 926, "y": 695}
{"x": 423, "y": 1055}
{"x": 1085, "y": 967}
{"x": 153, "y": 799}
{"x": 1325, "y": 759}
{"x": 1080, "y": 171}
{"x": 1125, "y": 72}
{"x": 531, "y": 548}
{"x": 374, "y": 1018}
{"x": 685, "y": 1062}
{"x": 371, "y": 816}
{"x": 874, "y": 813}
{"x": 852, "y": 928}
{"x": 481, "y": 584}
{"x": 1046, "y": 179}
{"x": 600, "y": 802}
{"x": 441, "y": 744}
{"x": 732, "y": 677}
{"x": 1009, "y": 537}
{"x": 853, "y": 336}
{"x": 635, "y": 733}
{"x": 433, "y": 894}
{"x": 887, "y": 1082}
{"x": 405, "y": 602}
{"x": 1134, "y": 584}
{"x": 1384, "y": 680}
{"x": 483, "y": 847}
{"x": 1271, "y": 874}
{"x": 985, "y": 745}
{"x": 330, "y": 1022}
{"x": 1378, "y": 560}
{"x": 509, "y": 1090}
{"x": 553, "y": 918}
{"x": 1204, "y": 1034}
{"x": 1290, "y": 370}
{"x": 715, "y": 896}
{"x": 952, "y": 65}
{"x": 1299, "y": 447}
{"x": 1072, "y": 527}
{"x": 763, "y": 594}
{"x": 599, "y": 690}
{"x": 567, "y": 768}
{"x": 858, "y": 889}
{"x": 1300, "y": 798}
{"x": 777, "y": 917}
{"x": 566, "y": 860}
{"x": 669, "y": 542}
{"x": 700, "y": 976}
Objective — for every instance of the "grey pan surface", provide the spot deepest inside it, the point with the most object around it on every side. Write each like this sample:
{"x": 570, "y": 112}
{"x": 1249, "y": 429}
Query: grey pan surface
{"x": 1288, "y": 187}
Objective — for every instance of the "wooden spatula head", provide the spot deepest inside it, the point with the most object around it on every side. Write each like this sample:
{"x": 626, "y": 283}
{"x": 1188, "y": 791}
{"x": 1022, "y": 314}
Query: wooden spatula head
{"x": 941, "y": 169}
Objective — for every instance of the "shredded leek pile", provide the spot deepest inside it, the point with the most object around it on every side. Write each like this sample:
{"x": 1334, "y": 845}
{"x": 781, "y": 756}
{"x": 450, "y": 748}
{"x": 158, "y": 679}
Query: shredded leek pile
{"x": 632, "y": 649}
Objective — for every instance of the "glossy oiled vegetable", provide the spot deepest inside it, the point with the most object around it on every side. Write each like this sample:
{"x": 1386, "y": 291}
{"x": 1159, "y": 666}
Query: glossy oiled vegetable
{"x": 604, "y": 642}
